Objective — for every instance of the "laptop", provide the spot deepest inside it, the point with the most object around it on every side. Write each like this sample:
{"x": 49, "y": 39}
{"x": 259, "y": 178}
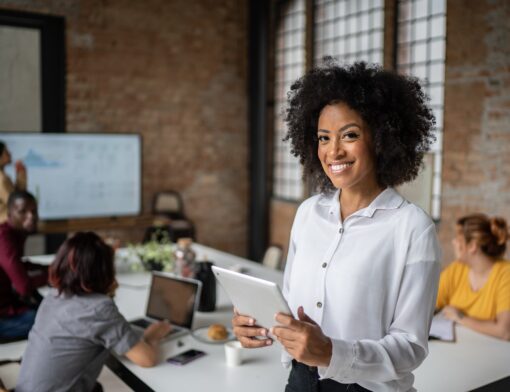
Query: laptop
{"x": 171, "y": 298}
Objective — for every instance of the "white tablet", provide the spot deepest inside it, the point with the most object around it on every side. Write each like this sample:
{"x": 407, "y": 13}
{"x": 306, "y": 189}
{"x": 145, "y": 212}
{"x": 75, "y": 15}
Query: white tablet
{"x": 254, "y": 297}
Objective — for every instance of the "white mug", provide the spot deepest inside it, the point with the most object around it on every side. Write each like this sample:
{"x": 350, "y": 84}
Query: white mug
{"x": 233, "y": 353}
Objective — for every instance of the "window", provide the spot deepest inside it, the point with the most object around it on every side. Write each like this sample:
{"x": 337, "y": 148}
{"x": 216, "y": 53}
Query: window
{"x": 421, "y": 52}
{"x": 290, "y": 65}
{"x": 349, "y": 30}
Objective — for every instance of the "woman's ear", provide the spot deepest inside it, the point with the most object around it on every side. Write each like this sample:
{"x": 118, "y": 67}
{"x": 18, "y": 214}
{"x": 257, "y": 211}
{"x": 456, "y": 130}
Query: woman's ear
{"x": 472, "y": 247}
{"x": 113, "y": 288}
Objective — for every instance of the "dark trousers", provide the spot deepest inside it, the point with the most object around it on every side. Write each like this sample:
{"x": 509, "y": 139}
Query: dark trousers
{"x": 98, "y": 387}
{"x": 305, "y": 378}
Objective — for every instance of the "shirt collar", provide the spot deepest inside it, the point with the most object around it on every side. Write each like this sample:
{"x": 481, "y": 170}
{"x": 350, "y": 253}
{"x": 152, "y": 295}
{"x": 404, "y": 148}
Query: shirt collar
{"x": 389, "y": 199}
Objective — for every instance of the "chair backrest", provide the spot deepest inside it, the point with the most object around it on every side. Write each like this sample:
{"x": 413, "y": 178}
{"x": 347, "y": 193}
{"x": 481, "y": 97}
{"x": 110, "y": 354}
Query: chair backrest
{"x": 168, "y": 203}
{"x": 273, "y": 257}
{"x": 9, "y": 372}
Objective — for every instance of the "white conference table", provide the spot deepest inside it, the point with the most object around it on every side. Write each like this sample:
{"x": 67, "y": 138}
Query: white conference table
{"x": 261, "y": 369}
{"x": 473, "y": 361}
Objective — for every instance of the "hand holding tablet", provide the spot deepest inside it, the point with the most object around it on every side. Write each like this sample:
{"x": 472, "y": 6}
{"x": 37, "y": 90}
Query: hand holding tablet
{"x": 253, "y": 298}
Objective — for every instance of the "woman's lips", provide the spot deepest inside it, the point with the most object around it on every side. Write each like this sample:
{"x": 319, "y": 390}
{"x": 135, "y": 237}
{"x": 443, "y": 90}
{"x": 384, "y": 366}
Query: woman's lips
{"x": 337, "y": 168}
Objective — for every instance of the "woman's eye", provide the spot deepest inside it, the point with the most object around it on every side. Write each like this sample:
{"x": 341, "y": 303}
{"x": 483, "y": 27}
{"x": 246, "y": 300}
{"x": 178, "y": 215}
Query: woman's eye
{"x": 351, "y": 135}
{"x": 323, "y": 138}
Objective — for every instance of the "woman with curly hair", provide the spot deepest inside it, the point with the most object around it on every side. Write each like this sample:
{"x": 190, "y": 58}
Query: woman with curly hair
{"x": 363, "y": 263}
{"x": 474, "y": 290}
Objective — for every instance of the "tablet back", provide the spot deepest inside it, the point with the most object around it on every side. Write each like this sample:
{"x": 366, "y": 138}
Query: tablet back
{"x": 254, "y": 297}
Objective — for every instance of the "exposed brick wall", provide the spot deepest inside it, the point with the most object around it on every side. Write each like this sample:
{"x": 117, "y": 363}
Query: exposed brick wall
{"x": 281, "y": 218}
{"x": 174, "y": 71}
{"x": 476, "y": 162}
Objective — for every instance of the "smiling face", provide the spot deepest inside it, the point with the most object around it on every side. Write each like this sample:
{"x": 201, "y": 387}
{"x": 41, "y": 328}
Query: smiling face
{"x": 345, "y": 148}
{"x": 23, "y": 215}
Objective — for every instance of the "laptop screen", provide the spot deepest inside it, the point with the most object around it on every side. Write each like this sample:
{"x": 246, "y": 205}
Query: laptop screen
{"x": 173, "y": 299}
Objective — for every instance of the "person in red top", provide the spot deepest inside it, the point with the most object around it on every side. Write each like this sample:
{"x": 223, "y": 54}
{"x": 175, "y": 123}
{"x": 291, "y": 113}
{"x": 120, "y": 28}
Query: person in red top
{"x": 19, "y": 280}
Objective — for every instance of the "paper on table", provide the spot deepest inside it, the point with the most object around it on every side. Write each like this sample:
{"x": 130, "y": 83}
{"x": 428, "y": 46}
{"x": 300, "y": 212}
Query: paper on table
{"x": 442, "y": 328}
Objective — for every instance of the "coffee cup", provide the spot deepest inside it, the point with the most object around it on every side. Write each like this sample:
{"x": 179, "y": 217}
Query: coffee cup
{"x": 233, "y": 353}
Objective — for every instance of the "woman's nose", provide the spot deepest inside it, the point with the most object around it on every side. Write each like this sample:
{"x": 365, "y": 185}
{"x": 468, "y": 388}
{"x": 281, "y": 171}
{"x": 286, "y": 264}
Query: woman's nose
{"x": 336, "y": 149}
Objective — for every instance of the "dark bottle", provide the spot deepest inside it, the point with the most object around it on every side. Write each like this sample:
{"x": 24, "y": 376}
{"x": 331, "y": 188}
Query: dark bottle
{"x": 204, "y": 273}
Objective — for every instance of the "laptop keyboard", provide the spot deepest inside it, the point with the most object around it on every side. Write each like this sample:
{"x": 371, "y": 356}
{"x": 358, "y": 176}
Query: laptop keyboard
{"x": 144, "y": 323}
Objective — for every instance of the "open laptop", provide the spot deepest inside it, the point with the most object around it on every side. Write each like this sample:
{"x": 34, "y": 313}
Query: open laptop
{"x": 171, "y": 298}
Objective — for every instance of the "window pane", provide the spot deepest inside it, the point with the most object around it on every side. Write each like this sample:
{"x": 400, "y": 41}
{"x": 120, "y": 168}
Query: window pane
{"x": 404, "y": 33}
{"x": 421, "y": 52}
{"x": 377, "y": 19}
{"x": 437, "y": 73}
{"x": 438, "y": 6}
{"x": 289, "y": 65}
{"x": 420, "y": 71}
{"x": 437, "y": 50}
{"x": 404, "y": 10}
{"x": 420, "y": 30}
{"x": 437, "y": 26}
{"x": 420, "y": 8}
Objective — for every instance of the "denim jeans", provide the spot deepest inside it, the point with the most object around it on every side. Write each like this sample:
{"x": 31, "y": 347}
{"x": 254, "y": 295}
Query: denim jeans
{"x": 304, "y": 378}
{"x": 17, "y": 326}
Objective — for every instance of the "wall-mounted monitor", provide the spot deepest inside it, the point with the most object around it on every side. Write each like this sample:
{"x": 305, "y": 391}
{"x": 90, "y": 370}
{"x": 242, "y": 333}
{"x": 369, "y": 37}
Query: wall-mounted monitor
{"x": 80, "y": 175}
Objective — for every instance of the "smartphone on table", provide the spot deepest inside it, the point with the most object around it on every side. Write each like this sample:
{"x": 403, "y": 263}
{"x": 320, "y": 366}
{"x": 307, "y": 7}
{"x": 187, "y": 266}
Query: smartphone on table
{"x": 185, "y": 357}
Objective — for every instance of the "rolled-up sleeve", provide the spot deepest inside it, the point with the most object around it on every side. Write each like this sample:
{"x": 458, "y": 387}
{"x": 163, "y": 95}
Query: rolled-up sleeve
{"x": 14, "y": 268}
{"x": 112, "y": 329}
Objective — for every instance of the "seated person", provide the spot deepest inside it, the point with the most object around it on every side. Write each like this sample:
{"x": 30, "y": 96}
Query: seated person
{"x": 78, "y": 323}
{"x": 19, "y": 280}
{"x": 474, "y": 290}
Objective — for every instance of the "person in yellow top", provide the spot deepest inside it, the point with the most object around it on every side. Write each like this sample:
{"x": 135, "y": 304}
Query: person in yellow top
{"x": 474, "y": 290}
{"x": 6, "y": 184}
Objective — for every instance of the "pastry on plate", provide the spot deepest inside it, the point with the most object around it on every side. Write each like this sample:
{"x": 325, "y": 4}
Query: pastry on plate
{"x": 217, "y": 332}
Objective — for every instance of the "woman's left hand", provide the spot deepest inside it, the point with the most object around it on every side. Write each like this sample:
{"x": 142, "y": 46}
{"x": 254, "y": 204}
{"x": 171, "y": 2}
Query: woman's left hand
{"x": 303, "y": 339}
{"x": 452, "y": 313}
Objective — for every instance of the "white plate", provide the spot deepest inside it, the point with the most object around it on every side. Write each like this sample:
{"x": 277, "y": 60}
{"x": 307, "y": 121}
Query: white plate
{"x": 201, "y": 335}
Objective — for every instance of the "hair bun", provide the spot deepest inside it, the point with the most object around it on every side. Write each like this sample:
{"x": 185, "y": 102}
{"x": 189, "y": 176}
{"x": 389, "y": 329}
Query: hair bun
{"x": 499, "y": 229}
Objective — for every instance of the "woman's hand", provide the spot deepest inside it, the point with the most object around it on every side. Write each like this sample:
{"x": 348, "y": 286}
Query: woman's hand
{"x": 21, "y": 169}
{"x": 303, "y": 339}
{"x": 246, "y": 331}
{"x": 452, "y": 313}
{"x": 156, "y": 331}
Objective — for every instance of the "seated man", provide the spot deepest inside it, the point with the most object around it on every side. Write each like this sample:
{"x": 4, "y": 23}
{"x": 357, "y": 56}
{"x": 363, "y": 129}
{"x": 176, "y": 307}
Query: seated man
{"x": 19, "y": 280}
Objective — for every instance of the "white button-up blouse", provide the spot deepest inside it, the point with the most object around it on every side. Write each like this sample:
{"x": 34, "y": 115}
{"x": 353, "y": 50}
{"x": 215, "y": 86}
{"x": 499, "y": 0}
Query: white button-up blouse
{"x": 370, "y": 282}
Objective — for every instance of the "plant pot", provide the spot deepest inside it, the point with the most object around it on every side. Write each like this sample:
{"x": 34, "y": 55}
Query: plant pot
{"x": 152, "y": 265}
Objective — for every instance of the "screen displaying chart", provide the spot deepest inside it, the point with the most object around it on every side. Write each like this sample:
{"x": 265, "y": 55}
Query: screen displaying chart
{"x": 80, "y": 175}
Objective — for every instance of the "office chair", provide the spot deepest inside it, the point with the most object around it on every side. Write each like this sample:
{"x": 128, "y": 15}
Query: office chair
{"x": 170, "y": 218}
{"x": 9, "y": 370}
{"x": 273, "y": 257}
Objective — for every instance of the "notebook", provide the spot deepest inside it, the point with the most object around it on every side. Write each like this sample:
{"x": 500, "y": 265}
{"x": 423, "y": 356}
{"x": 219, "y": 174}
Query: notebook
{"x": 171, "y": 298}
{"x": 442, "y": 329}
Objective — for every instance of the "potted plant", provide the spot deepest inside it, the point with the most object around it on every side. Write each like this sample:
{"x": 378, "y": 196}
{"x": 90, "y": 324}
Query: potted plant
{"x": 156, "y": 254}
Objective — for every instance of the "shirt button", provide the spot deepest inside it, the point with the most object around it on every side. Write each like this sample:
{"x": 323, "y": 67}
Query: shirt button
{"x": 341, "y": 230}
{"x": 324, "y": 265}
{"x": 319, "y": 305}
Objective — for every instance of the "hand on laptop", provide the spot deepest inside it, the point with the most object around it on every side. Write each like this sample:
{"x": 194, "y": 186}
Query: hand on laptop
{"x": 145, "y": 352}
{"x": 156, "y": 331}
